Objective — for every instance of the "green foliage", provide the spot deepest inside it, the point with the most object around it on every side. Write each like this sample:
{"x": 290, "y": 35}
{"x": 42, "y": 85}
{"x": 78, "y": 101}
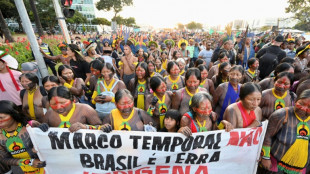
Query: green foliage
{"x": 21, "y": 48}
{"x": 180, "y": 26}
{"x": 130, "y": 22}
{"x": 301, "y": 10}
{"x": 101, "y": 21}
{"x": 193, "y": 25}
{"x": 115, "y": 5}
{"x": 76, "y": 20}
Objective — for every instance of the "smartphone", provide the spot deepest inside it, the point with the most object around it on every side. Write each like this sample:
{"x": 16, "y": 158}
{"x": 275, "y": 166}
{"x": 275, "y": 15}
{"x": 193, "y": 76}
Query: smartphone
{"x": 103, "y": 96}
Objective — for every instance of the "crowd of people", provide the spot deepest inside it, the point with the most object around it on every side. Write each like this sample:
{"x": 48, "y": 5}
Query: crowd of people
{"x": 162, "y": 82}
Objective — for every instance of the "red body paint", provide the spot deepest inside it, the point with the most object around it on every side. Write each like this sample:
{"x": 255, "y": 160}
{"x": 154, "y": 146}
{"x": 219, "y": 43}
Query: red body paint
{"x": 59, "y": 105}
{"x": 5, "y": 120}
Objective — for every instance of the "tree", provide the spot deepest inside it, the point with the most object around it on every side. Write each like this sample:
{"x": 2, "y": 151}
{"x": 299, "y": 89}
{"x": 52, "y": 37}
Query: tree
{"x": 119, "y": 20}
{"x": 301, "y": 10}
{"x": 199, "y": 26}
{"x": 180, "y": 26}
{"x": 100, "y": 21}
{"x": 36, "y": 17}
{"x": 130, "y": 22}
{"x": 5, "y": 29}
{"x": 115, "y": 5}
{"x": 76, "y": 20}
{"x": 191, "y": 26}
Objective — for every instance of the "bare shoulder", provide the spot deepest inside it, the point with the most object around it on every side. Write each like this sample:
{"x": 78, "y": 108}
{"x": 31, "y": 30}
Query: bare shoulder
{"x": 121, "y": 85}
{"x": 84, "y": 107}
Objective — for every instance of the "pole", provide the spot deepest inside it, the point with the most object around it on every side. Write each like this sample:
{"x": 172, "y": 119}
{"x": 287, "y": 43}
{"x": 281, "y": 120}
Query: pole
{"x": 61, "y": 21}
{"x": 32, "y": 38}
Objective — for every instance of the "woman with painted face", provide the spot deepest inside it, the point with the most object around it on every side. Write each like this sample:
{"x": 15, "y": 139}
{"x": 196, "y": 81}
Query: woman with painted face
{"x": 246, "y": 113}
{"x": 125, "y": 116}
{"x": 67, "y": 114}
{"x": 159, "y": 68}
{"x": 286, "y": 143}
{"x": 78, "y": 64}
{"x": 252, "y": 74}
{"x": 105, "y": 90}
{"x": 228, "y": 92}
{"x": 158, "y": 103}
{"x": 15, "y": 144}
{"x": 164, "y": 59}
{"x": 174, "y": 80}
{"x": 200, "y": 117}
{"x": 139, "y": 86}
{"x": 31, "y": 96}
{"x": 205, "y": 82}
{"x": 183, "y": 97}
{"x": 268, "y": 83}
{"x": 68, "y": 79}
{"x": 279, "y": 96}
{"x": 151, "y": 69}
{"x": 95, "y": 68}
{"x": 222, "y": 76}
{"x": 214, "y": 70}
{"x": 48, "y": 83}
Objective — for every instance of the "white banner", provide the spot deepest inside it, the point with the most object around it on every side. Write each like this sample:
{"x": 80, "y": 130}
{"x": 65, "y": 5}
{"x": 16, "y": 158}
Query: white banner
{"x": 118, "y": 152}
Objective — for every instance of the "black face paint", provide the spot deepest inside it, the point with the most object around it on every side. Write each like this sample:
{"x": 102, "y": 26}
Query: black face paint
{"x": 234, "y": 80}
{"x": 126, "y": 111}
{"x": 31, "y": 85}
{"x": 111, "y": 75}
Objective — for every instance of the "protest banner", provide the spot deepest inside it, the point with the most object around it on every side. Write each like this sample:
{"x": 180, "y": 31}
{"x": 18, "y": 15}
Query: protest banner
{"x": 121, "y": 152}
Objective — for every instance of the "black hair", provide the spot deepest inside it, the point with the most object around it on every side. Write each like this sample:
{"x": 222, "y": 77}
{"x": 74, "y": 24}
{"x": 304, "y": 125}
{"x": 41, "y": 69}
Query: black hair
{"x": 222, "y": 55}
{"x": 164, "y": 52}
{"x": 156, "y": 81}
{"x": 252, "y": 61}
{"x": 281, "y": 68}
{"x": 249, "y": 88}
{"x": 74, "y": 48}
{"x": 63, "y": 67}
{"x": 120, "y": 93}
{"x": 54, "y": 79}
{"x": 175, "y": 115}
{"x": 144, "y": 66}
{"x": 202, "y": 67}
{"x": 238, "y": 68}
{"x": 31, "y": 76}
{"x": 97, "y": 64}
{"x": 199, "y": 62}
{"x": 183, "y": 44}
{"x": 10, "y": 108}
{"x": 288, "y": 60}
{"x": 174, "y": 54}
{"x": 60, "y": 91}
{"x": 219, "y": 76}
{"x": 109, "y": 66}
{"x": 290, "y": 76}
{"x": 305, "y": 94}
{"x": 193, "y": 71}
{"x": 170, "y": 65}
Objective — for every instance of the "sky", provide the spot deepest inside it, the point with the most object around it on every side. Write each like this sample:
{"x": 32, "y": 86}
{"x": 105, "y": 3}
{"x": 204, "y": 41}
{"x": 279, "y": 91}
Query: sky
{"x": 167, "y": 13}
